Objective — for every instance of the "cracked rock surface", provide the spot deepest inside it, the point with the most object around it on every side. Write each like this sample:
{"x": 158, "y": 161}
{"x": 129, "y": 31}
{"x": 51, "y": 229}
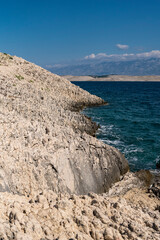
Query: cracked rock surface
{"x": 125, "y": 212}
{"x": 54, "y": 175}
{"x": 45, "y": 141}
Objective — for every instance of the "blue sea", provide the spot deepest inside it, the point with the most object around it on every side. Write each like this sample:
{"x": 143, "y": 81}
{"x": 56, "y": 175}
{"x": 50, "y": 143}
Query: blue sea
{"x": 130, "y": 121}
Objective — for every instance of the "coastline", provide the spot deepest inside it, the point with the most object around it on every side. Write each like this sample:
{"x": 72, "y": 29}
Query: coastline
{"x": 114, "y": 78}
{"x": 56, "y": 180}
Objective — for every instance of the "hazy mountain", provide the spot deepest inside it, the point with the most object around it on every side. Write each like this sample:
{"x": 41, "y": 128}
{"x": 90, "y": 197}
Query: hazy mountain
{"x": 147, "y": 66}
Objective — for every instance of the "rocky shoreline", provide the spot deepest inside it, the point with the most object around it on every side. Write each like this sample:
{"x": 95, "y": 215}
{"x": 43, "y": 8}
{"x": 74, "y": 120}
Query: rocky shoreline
{"x": 57, "y": 181}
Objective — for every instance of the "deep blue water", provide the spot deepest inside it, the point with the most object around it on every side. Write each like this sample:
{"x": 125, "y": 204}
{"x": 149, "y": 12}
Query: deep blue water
{"x": 131, "y": 120}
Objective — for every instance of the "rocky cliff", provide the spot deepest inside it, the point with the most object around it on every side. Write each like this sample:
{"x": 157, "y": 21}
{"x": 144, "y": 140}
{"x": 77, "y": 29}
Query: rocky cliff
{"x": 48, "y": 153}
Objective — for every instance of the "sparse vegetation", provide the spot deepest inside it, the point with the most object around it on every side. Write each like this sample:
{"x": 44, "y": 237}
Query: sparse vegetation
{"x": 19, "y": 77}
{"x": 7, "y": 56}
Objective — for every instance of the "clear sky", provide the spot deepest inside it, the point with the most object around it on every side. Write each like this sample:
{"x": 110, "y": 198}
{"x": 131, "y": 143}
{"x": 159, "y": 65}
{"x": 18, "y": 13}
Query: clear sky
{"x": 53, "y": 31}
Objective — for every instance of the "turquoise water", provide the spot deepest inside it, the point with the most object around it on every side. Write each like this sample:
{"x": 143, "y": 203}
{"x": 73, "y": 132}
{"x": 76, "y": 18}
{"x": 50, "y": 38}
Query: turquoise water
{"x": 131, "y": 120}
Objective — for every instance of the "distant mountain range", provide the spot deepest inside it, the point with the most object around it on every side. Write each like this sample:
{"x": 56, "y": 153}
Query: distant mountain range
{"x": 147, "y": 66}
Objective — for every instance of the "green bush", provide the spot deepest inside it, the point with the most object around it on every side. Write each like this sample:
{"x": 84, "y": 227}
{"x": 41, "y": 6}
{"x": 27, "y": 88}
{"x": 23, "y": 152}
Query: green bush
{"x": 19, "y": 77}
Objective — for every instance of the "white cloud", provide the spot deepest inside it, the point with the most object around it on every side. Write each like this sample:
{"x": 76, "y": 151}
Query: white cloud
{"x": 91, "y": 56}
{"x": 125, "y": 56}
{"x": 121, "y": 46}
{"x": 96, "y": 56}
{"x": 128, "y": 54}
{"x": 153, "y": 53}
{"x": 101, "y": 55}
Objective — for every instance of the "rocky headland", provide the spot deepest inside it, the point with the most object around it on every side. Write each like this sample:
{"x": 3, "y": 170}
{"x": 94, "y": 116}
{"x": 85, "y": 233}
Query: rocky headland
{"x": 57, "y": 181}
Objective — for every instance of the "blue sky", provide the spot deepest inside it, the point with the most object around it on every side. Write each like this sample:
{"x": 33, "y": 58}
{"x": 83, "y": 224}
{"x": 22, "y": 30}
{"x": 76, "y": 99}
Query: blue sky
{"x": 55, "y": 31}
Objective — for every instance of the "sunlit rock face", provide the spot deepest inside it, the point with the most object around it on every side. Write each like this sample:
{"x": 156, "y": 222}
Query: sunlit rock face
{"x": 54, "y": 174}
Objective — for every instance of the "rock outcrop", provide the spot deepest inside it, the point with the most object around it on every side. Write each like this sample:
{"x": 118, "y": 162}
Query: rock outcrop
{"x": 45, "y": 141}
{"x": 125, "y": 212}
{"x": 54, "y": 175}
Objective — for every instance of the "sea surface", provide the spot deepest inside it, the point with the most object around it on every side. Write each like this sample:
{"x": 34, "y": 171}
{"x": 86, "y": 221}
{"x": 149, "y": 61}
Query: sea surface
{"x": 130, "y": 121}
